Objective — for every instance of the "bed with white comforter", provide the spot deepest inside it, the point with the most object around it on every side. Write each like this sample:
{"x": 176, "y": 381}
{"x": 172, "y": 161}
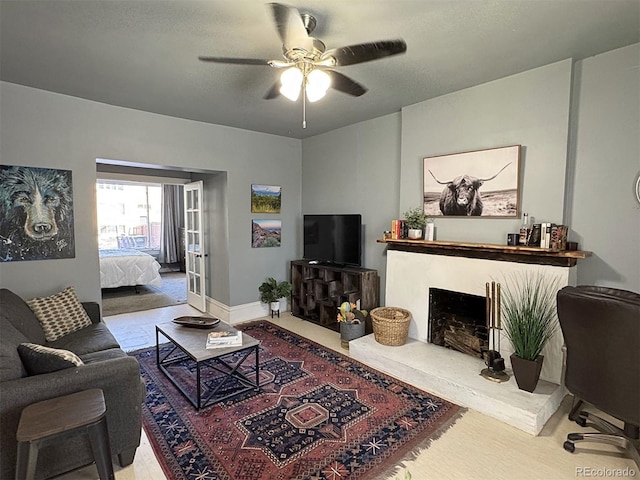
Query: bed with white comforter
{"x": 128, "y": 267}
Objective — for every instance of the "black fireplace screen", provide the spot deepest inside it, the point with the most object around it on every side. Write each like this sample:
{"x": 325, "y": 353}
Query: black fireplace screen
{"x": 458, "y": 321}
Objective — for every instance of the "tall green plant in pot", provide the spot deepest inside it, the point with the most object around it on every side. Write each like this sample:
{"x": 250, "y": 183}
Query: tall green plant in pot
{"x": 271, "y": 291}
{"x": 529, "y": 321}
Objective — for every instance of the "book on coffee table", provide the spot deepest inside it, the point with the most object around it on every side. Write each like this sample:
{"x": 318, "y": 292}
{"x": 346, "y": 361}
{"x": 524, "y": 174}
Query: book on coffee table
{"x": 224, "y": 339}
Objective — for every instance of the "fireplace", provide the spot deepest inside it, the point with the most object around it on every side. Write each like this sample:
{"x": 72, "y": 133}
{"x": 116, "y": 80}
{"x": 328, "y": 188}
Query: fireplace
{"x": 458, "y": 321}
{"x": 411, "y": 277}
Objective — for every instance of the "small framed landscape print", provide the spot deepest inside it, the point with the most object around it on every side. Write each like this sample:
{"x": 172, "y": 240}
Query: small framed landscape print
{"x": 483, "y": 183}
{"x": 265, "y": 198}
{"x": 266, "y": 233}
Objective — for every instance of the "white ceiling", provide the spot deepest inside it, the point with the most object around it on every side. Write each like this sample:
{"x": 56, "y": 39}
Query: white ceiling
{"x": 143, "y": 54}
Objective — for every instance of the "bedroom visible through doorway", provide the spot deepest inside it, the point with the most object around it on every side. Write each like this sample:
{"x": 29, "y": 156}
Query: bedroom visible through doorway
{"x": 141, "y": 245}
{"x": 173, "y": 291}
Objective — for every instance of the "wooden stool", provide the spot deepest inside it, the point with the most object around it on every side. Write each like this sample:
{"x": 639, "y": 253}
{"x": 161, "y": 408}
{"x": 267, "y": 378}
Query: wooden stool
{"x": 43, "y": 422}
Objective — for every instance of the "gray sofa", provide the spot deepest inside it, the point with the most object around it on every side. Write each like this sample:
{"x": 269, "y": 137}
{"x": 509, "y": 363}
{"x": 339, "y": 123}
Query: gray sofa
{"x": 105, "y": 366}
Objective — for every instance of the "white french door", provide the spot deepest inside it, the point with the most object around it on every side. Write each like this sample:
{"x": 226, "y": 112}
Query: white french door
{"x": 194, "y": 246}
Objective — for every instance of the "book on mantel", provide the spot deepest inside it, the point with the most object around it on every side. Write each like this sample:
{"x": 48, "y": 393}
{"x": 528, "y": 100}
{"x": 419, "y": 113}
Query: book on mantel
{"x": 224, "y": 339}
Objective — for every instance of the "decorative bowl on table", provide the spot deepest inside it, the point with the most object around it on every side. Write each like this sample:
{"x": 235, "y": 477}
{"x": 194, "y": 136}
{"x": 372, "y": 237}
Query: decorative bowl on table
{"x": 197, "y": 322}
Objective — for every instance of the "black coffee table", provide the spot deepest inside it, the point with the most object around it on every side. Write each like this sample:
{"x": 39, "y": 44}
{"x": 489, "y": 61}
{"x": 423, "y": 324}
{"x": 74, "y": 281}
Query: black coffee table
{"x": 189, "y": 344}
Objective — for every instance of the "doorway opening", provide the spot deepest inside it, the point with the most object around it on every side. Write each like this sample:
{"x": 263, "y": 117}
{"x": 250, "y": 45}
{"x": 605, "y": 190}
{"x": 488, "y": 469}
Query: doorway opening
{"x": 141, "y": 244}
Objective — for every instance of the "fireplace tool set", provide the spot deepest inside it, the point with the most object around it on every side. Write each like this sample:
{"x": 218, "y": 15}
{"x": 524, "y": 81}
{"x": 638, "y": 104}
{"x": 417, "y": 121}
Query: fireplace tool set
{"x": 492, "y": 358}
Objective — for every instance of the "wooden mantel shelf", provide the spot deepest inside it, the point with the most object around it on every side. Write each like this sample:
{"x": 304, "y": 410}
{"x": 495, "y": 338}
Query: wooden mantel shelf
{"x": 505, "y": 253}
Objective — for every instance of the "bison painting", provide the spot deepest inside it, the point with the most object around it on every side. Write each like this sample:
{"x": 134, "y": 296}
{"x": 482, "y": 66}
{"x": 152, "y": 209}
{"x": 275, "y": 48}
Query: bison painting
{"x": 480, "y": 183}
{"x": 36, "y": 214}
{"x": 461, "y": 196}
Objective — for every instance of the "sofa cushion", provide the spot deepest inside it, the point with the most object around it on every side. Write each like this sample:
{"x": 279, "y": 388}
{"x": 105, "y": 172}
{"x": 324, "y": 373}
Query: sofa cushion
{"x": 59, "y": 314}
{"x": 102, "y": 355}
{"x": 39, "y": 359}
{"x": 15, "y": 311}
{"x": 94, "y": 338}
{"x": 10, "y": 364}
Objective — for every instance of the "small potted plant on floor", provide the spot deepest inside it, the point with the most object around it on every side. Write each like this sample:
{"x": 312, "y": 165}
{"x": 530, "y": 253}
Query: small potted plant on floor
{"x": 271, "y": 291}
{"x": 352, "y": 322}
{"x": 416, "y": 221}
{"x": 529, "y": 321}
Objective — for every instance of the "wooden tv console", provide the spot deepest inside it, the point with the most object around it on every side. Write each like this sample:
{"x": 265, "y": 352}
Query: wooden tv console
{"x": 319, "y": 289}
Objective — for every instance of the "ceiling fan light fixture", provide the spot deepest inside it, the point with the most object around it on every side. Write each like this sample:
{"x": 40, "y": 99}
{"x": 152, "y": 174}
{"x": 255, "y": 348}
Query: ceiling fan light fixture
{"x": 306, "y": 58}
{"x": 318, "y": 82}
{"x": 291, "y": 82}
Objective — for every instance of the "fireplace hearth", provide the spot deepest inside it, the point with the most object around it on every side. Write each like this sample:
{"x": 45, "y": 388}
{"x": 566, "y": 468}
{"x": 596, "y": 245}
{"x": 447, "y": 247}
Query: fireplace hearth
{"x": 410, "y": 276}
{"x": 458, "y": 321}
{"x": 452, "y": 374}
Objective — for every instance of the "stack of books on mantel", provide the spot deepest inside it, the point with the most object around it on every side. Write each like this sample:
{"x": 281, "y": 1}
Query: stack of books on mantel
{"x": 399, "y": 229}
{"x": 224, "y": 339}
{"x": 548, "y": 235}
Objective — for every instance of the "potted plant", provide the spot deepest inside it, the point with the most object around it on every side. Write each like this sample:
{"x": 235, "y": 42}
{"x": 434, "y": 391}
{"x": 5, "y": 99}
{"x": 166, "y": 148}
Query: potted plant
{"x": 352, "y": 322}
{"x": 416, "y": 221}
{"x": 529, "y": 321}
{"x": 271, "y": 291}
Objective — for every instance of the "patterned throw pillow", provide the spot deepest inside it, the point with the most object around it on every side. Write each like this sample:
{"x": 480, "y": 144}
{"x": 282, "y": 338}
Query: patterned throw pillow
{"x": 38, "y": 359}
{"x": 59, "y": 314}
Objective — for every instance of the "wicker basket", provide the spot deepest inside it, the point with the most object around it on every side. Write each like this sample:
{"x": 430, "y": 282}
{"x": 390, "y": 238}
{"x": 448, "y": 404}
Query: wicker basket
{"x": 391, "y": 325}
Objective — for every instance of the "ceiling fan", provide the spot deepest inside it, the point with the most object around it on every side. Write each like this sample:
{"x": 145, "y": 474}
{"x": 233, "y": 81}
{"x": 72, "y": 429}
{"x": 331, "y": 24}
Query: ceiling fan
{"x": 308, "y": 65}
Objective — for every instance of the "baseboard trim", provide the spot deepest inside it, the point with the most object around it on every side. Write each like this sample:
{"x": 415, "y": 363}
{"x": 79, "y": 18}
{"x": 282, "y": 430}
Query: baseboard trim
{"x": 239, "y": 313}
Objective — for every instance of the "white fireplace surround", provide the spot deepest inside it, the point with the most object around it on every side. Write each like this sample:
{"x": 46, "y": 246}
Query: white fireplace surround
{"x": 410, "y": 275}
{"x": 451, "y": 374}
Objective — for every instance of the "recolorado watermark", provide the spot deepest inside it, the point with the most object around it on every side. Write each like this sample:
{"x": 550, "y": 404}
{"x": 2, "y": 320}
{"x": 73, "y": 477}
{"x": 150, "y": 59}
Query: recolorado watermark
{"x": 591, "y": 472}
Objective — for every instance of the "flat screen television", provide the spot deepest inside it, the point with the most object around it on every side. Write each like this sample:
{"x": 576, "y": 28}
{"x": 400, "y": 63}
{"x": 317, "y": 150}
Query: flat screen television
{"x": 333, "y": 239}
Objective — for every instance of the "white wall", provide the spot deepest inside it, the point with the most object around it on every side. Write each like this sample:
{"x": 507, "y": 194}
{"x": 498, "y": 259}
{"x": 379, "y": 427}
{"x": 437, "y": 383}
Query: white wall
{"x": 45, "y": 129}
{"x": 530, "y": 109}
{"x": 373, "y": 167}
{"x": 605, "y": 161}
{"x": 216, "y": 235}
{"x": 579, "y": 126}
{"x": 356, "y": 169}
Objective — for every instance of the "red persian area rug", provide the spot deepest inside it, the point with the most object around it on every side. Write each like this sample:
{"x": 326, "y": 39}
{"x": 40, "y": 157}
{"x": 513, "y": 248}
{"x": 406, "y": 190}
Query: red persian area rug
{"x": 318, "y": 415}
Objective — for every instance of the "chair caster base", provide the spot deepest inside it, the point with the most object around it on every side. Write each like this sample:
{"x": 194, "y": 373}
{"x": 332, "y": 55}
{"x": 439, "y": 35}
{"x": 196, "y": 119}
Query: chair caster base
{"x": 569, "y": 446}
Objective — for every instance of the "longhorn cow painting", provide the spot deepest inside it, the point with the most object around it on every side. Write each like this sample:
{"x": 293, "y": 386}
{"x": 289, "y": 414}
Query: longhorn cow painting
{"x": 483, "y": 183}
{"x": 36, "y": 214}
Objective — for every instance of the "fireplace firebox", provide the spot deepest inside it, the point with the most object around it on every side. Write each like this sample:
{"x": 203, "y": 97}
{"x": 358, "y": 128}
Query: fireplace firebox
{"x": 458, "y": 321}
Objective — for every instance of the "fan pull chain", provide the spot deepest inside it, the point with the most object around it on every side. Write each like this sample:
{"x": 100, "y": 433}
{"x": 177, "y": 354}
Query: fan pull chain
{"x": 304, "y": 104}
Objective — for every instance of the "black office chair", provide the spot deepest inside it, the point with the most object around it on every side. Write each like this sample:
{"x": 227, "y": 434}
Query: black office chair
{"x": 601, "y": 328}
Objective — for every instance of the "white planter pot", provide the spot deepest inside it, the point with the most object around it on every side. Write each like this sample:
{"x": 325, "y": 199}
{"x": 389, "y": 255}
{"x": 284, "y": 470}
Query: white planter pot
{"x": 415, "y": 233}
{"x": 275, "y": 308}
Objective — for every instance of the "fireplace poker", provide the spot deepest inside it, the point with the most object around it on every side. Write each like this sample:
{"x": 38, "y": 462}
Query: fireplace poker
{"x": 498, "y": 362}
{"x": 488, "y": 307}
{"x": 498, "y": 321}
{"x": 489, "y": 313}
{"x": 493, "y": 316}
{"x": 491, "y": 321}
{"x": 495, "y": 362}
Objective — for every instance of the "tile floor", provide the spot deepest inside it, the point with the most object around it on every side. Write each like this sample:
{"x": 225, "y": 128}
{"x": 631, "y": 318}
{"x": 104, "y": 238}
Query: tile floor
{"x": 477, "y": 446}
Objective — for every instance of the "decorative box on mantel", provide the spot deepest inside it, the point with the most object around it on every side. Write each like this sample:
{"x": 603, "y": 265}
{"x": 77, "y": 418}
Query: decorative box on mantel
{"x": 416, "y": 266}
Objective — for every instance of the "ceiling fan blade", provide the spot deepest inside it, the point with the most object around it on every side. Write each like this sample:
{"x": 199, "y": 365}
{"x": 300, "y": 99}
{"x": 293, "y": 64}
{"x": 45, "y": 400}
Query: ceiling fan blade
{"x": 344, "y": 84}
{"x": 291, "y": 27}
{"x": 237, "y": 61}
{"x": 273, "y": 92}
{"x": 365, "y": 52}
